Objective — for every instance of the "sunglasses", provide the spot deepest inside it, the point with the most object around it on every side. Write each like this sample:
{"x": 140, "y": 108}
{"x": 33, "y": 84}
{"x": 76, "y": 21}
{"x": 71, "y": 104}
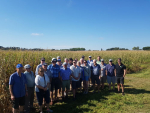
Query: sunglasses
{"x": 43, "y": 60}
{"x": 85, "y": 62}
{"x": 54, "y": 61}
{"x": 74, "y": 62}
{"x": 41, "y": 71}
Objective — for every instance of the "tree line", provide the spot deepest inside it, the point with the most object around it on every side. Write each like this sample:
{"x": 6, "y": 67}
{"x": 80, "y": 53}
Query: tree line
{"x": 71, "y": 49}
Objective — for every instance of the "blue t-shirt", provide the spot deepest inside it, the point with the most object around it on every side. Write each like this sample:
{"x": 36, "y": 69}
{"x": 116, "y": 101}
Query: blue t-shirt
{"x": 54, "y": 70}
{"x": 110, "y": 70}
{"x": 65, "y": 73}
{"x": 18, "y": 84}
{"x": 95, "y": 69}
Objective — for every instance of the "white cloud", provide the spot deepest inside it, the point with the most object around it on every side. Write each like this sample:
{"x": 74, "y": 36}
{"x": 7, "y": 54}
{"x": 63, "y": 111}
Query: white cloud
{"x": 36, "y": 34}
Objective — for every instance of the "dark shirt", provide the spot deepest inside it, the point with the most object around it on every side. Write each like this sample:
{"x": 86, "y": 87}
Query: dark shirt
{"x": 120, "y": 70}
{"x": 18, "y": 84}
{"x": 95, "y": 69}
{"x": 110, "y": 70}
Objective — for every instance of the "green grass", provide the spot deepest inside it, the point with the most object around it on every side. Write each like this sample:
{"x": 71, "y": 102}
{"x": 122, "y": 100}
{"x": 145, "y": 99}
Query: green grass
{"x": 136, "y": 99}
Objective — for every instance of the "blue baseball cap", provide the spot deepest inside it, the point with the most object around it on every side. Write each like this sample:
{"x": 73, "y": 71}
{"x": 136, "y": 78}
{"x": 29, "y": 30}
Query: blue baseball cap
{"x": 19, "y": 65}
{"x": 58, "y": 60}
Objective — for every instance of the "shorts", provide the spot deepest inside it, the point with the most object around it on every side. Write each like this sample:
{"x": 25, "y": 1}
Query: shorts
{"x": 75, "y": 84}
{"x": 111, "y": 79}
{"x": 120, "y": 80}
{"x": 40, "y": 97}
{"x": 103, "y": 79}
{"x": 18, "y": 102}
{"x": 55, "y": 83}
{"x": 86, "y": 78}
{"x": 65, "y": 84}
{"x": 96, "y": 78}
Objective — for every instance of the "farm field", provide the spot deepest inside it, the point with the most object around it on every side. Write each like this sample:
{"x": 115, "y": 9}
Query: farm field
{"x": 137, "y": 83}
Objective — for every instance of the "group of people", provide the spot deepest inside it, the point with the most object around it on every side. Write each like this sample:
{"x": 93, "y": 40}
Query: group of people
{"x": 70, "y": 75}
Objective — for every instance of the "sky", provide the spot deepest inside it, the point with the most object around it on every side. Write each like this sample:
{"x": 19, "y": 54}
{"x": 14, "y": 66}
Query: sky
{"x": 64, "y": 24}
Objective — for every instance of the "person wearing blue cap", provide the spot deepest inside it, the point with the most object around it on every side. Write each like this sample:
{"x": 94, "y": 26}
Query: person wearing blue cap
{"x": 65, "y": 74}
{"x": 55, "y": 70}
{"x": 30, "y": 86}
{"x": 18, "y": 89}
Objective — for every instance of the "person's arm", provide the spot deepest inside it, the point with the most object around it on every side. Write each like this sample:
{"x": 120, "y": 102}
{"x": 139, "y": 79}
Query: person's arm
{"x": 11, "y": 92}
{"x": 100, "y": 73}
{"x": 26, "y": 89}
{"x": 36, "y": 72}
{"x": 79, "y": 76}
{"x": 106, "y": 71}
{"x": 115, "y": 72}
{"x": 125, "y": 72}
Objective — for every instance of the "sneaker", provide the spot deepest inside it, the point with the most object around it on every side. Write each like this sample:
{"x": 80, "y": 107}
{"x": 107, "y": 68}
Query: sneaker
{"x": 123, "y": 93}
{"x": 50, "y": 111}
{"x": 41, "y": 112}
{"x": 93, "y": 91}
{"x": 118, "y": 91}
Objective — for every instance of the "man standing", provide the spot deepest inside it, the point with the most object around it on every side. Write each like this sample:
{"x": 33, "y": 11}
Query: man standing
{"x": 82, "y": 62}
{"x": 90, "y": 61}
{"x": 65, "y": 78}
{"x": 110, "y": 73}
{"x": 70, "y": 61}
{"x": 103, "y": 73}
{"x": 40, "y": 65}
{"x": 96, "y": 74}
{"x": 83, "y": 57}
{"x": 76, "y": 72}
{"x": 120, "y": 72}
{"x": 55, "y": 70}
{"x": 66, "y": 60}
{"x": 59, "y": 63}
{"x": 18, "y": 89}
{"x": 30, "y": 77}
{"x": 98, "y": 60}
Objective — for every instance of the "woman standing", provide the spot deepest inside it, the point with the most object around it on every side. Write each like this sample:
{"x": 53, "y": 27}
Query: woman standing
{"x": 30, "y": 87}
{"x": 87, "y": 75}
{"x": 41, "y": 88}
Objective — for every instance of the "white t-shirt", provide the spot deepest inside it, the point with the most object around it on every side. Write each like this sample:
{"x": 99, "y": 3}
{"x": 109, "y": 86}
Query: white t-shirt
{"x": 39, "y": 80}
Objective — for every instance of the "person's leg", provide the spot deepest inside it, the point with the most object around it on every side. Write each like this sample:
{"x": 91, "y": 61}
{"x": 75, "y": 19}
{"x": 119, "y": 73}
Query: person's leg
{"x": 118, "y": 85}
{"x": 51, "y": 93}
{"x": 86, "y": 86}
{"x": 27, "y": 100}
{"x": 67, "y": 87}
{"x": 98, "y": 82}
{"x": 21, "y": 109}
{"x": 15, "y": 108}
{"x": 74, "y": 88}
{"x": 40, "y": 100}
{"x": 122, "y": 84}
{"x": 109, "y": 82}
{"x": 21, "y": 104}
{"x": 63, "y": 88}
{"x": 113, "y": 82}
{"x": 32, "y": 97}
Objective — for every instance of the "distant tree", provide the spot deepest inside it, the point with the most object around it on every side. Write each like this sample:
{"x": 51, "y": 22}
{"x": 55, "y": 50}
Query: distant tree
{"x": 146, "y": 48}
{"x": 136, "y": 48}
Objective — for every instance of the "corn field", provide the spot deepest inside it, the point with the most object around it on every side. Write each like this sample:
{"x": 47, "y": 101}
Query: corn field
{"x": 133, "y": 60}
